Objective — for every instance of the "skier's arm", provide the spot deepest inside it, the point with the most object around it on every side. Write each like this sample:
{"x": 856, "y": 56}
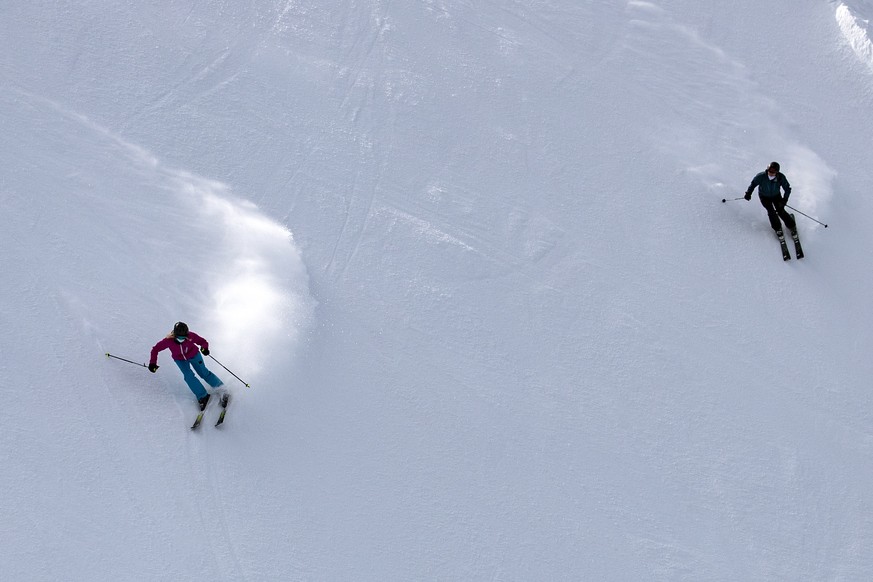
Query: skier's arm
{"x": 754, "y": 184}
{"x": 158, "y": 347}
{"x": 204, "y": 345}
{"x": 786, "y": 187}
{"x": 751, "y": 188}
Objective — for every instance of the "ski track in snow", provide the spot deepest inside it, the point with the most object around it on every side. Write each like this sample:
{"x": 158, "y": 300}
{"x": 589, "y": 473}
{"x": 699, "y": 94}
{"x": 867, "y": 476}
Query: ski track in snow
{"x": 189, "y": 249}
{"x": 245, "y": 271}
{"x": 748, "y": 126}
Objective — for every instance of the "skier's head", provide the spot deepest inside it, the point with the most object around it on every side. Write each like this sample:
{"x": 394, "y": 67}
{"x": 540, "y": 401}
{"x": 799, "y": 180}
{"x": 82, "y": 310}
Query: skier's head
{"x": 180, "y": 330}
{"x": 773, "y": 168}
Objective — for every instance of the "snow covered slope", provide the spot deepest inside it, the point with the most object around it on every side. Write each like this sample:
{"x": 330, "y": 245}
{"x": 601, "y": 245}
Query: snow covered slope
{"x": 473, "y": 260}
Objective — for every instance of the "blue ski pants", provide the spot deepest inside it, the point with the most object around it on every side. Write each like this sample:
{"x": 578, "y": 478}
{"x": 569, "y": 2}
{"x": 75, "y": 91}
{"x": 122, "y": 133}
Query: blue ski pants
{"x": 188, "y": 367}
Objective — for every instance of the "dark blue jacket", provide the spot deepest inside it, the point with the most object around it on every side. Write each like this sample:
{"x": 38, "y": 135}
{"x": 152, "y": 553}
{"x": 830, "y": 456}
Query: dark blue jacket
{"x": 768, "y": 188}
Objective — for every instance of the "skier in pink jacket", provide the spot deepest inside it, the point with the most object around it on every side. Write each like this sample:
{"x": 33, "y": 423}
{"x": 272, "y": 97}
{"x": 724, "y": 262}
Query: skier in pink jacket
{"x": 182, "y": 344}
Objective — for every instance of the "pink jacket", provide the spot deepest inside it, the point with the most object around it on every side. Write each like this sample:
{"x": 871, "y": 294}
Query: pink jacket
{"x": 180, "y": 351}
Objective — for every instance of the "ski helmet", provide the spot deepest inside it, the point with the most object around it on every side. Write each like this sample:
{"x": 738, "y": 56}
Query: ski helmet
{"x": 773, "y": 166}
{"x": 180, "y": 329}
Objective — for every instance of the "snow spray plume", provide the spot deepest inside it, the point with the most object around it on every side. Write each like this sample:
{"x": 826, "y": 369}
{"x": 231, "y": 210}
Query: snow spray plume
{"x": 231, "y": 373}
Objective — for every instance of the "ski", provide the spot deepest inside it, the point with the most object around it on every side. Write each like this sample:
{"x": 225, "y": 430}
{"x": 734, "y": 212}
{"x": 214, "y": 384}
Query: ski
{"x": 786, "y": 256}
{"x": 199, "y": 418}
{"x": 197, "y": 421}
{"x": 797, "y": 248}
{"x": 225, "y": 400}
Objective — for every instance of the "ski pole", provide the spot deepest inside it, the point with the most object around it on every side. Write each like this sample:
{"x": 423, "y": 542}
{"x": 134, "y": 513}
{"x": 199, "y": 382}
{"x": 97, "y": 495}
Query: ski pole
{"x": 732, "y": 199}
{"x": 108, "y": 355}
{"x": 806, "y": 215}
{"x": 231, "y": 373}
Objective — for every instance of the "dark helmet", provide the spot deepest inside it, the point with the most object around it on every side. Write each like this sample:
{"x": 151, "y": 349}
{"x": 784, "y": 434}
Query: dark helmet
{"x": 180, "y": 329}
{"x": 773, "y": 166}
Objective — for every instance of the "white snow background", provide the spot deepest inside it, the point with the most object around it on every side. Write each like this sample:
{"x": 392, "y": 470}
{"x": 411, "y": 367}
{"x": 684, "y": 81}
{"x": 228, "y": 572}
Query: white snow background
{"x": 472, "y": 259}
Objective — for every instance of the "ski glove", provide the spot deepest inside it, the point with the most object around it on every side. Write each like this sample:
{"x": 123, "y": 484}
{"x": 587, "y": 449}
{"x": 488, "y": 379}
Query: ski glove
{"x": 153, "y": 368}
{"x": 748, "y": 196}
{"x": 205, "y": 351}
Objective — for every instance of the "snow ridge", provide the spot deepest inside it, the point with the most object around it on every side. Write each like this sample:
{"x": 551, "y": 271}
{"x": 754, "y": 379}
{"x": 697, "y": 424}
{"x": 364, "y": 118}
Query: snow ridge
{"x": 855, "y": 31}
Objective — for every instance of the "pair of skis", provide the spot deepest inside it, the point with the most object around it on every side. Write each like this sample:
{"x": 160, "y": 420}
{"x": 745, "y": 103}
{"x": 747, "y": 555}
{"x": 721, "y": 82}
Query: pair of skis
{"x": 798, "y": 250}
{"x": 199, "y": 420}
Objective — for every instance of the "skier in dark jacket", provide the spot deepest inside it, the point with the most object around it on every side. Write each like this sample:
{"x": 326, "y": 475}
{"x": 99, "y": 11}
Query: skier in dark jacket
{"x": 769, "y": 182}
{"x": 182, "y": 344}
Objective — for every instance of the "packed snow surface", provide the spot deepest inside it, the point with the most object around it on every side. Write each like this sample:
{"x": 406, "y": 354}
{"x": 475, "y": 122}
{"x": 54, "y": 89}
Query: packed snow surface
{"x": 472, "y": 259}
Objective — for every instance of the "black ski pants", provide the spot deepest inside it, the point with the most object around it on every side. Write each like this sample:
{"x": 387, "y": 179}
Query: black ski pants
{"x": 775, "y": 210}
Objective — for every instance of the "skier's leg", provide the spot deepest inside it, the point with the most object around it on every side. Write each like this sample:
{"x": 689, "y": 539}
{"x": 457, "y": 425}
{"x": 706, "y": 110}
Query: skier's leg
{"x": 786, "y": 218}
{"x": 193, "y": 383}
{"x": 772, "y": 214}
{"x": 203, "y": 371}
